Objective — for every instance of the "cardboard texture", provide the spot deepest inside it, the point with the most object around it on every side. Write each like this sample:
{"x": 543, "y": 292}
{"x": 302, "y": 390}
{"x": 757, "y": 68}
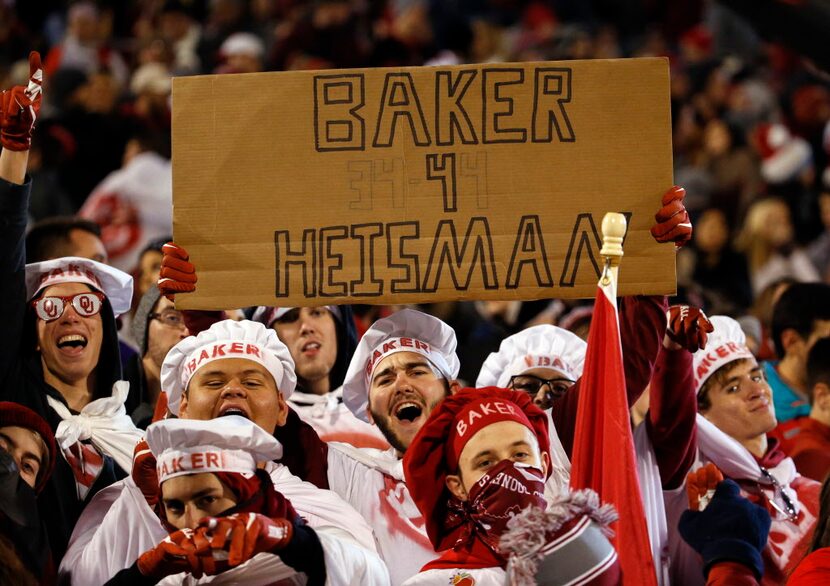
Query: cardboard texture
{"x": 420, "y": 184}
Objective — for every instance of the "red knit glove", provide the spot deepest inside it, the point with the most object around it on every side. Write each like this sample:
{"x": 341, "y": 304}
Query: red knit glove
{"x": 243, "y": 535}
{"x": 177, "y": 274}
{"x": 19, "y": 108}
{"x": 688, "y": 326}
{"x": 144, "y": 473}
{"x": 178, "y": 552}
{"x": 701, "y": 485}
{"x": 673, "y": 224}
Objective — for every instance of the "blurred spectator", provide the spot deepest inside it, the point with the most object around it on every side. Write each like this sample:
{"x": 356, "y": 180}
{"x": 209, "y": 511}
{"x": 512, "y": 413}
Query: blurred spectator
{"x": 224, "y": 18}
{"x": 715, "y": 266}
{"x": 800, "y": 317}
{"x": 241, "y": 53}
{"x": 807, "y": 439}
{"x": 148, "y": 267}
{"x": 767, "y": 240}
{"x": 819, "y": 249}
{"x": 156, "y": 327}
{"x": 134, "y": 205}
{"x": 762, "y": 310}
{"x": 83, "y": 46}
{"x": 182, "y": 32}
{"x": 64, "y": 236}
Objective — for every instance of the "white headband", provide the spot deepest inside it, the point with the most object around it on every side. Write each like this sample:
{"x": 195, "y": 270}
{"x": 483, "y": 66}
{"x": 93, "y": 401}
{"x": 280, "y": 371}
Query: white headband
{"x": 198, "y": 460}
{"x": 403, "y": 344}
{"x": 220, "y": 349}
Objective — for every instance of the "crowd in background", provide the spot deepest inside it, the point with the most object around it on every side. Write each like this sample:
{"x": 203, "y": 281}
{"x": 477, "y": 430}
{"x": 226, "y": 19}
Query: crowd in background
{"x": 750, "y": 119}
{"x": 751, "y": 141}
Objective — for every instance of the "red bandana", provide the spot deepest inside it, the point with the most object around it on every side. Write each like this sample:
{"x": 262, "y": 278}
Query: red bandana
{"x": 505, "y": 490}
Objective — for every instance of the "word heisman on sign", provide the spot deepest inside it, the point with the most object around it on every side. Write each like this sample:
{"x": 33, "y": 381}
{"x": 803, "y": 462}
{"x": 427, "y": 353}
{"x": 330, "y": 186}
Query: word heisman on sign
{"x": 420, "y": 184}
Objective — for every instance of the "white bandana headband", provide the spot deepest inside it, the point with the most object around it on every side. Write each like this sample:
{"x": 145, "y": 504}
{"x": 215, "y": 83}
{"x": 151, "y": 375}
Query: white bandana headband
{"x": 219, "y": 349}
{"x": 529, "y": 361}
{"x": 204, "y": 459}
{"x": 712, "y": 359}
{"x": 404, "y": 344}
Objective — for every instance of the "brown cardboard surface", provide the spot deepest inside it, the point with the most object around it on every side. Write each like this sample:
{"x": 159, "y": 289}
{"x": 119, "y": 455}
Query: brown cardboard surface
{"x": 420, "y": 184}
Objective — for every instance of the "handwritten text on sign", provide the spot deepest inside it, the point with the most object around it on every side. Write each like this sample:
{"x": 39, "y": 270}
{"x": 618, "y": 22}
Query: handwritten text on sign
{"x": 421, "y": 184}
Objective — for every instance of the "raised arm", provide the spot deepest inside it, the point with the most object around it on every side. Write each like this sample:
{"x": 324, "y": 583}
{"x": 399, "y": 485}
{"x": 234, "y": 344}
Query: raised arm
{"x": 671, "y": 417}
{"x": 19, "y": 107}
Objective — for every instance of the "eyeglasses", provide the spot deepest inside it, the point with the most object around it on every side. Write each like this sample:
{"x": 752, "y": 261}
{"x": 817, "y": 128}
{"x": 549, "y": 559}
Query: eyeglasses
{"x": 52, "y": 307}
{"x": 530, "y": 384}
{"x": 170, "y": 318}
{"x": 789, "y": 508}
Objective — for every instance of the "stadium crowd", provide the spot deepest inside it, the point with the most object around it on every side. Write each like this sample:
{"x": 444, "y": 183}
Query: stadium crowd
{"x": 143, "y": 444}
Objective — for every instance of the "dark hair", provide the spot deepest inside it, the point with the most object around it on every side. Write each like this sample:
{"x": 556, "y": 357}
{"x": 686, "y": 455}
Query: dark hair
{"x": 818, "y": 365}
{"x": 798, "y": 309}
{"x": 46, "y": 238}
{"x": 718, "y": 377}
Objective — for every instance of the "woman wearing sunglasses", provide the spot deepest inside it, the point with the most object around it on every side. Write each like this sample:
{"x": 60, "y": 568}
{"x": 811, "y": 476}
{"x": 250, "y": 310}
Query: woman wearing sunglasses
{"x": 59, "y": 347}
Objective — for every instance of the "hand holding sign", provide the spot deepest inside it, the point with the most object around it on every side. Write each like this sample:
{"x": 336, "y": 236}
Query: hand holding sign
{"x": 673, "y": 224}
{"x": 19, "y": 108}
{"x": 177, "y": 274}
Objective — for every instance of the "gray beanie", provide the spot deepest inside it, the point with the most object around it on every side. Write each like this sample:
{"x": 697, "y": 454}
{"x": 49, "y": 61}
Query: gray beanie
{"x": 142, "y": 318}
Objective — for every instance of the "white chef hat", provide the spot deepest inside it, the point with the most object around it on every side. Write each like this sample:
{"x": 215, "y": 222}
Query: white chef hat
{"x": 268, "y": 315}
{"x": 226, "y": 444}
{"x": 116, "y": 285}
{"x": 226, "y": 339}
{"x": 544, "y": 346}
{"x": 407, "y": 330}
{"x": 726, "y": 344}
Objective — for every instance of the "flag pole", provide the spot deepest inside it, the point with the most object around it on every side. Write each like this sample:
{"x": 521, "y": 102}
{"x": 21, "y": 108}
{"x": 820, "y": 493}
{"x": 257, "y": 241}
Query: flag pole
{"x": 613, "y": 232}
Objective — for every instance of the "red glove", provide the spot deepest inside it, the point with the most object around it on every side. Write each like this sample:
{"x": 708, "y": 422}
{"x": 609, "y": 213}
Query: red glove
{"x": 144, "y": 473}
{"x": 673, "y": 224}
{"x": 243, "y": 535}
{"x": 688, "y": 326}
{"x": 701, "y": 485}
{"x": 19, "y": 108}
{"x": 178, "y": 552}
{"x": 177, "y": 275}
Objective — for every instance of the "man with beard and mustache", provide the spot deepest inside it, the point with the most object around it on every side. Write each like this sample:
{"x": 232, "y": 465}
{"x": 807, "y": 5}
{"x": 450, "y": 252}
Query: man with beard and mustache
{"x": 403, "y": 367}
{"x": 232, "y": 368}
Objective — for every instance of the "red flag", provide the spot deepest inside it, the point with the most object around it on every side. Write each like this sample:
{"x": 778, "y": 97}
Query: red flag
{"x": 603, "y": 456}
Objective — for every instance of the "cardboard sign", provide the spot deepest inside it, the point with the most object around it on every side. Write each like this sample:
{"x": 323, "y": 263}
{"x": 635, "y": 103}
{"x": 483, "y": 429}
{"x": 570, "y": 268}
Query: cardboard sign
{"x": 420, "y": 184}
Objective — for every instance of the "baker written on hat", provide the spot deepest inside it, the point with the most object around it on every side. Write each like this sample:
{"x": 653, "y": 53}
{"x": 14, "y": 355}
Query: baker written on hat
{"x": 226, "y": 339}
{"x": 407, "y": 330}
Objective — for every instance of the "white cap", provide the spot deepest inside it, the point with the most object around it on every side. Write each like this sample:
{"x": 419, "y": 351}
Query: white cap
{"x": 726, "y": 344}
{"x": 543, "y": 346}
{"x": 243, "y": 44}
{"x": 407, "y": 330}
{"x": 116, "y": 285}
{"x": 268, "y": 315}
{"x": 226, "y": 339}
{"x": 226, "y": 444}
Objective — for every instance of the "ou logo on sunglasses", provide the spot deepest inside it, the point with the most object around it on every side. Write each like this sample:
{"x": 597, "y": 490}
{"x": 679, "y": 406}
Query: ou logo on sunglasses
{"x": 51, "y": 309}
{"x": 86, "y": 304}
